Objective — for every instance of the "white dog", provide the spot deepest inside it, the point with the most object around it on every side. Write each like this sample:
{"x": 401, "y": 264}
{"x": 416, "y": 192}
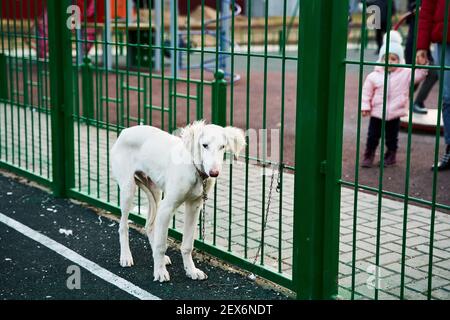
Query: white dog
{"x": 157, "y": 162}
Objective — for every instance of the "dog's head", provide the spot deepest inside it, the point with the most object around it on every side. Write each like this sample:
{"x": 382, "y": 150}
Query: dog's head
{"x": 207, "y": 144}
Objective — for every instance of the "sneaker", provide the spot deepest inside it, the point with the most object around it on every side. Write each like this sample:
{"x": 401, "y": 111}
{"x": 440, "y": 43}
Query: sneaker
{"x": 419, "y": 108}
{"x": 390, "y": 158}
{"x": 369, "y": 156}
{"x": 444, "y": 163}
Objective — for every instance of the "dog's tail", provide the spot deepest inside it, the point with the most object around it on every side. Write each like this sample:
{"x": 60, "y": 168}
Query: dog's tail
{"x": 145, "y": 184}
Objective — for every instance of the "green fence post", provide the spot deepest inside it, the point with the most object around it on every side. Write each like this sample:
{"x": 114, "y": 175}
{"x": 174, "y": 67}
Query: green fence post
{"x": 61, "y": 84}
{"x": 318, "y": 150}
{"x": 280, "y": 41}
{"x": 25, "y": 83}
{"x": 3, "y": 77}
{"x": 170, "y": 103}
{"x": 198, "y": 103}
{"x": 121, "y": 119}
{"x": 219, "y": 99}
{"x": 87, "y": 84}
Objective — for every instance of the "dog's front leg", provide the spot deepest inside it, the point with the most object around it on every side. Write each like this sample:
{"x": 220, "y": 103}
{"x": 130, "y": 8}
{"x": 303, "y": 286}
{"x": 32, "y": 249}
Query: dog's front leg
{"x": 190, "y": 222}
{"x": 162, "y": 221}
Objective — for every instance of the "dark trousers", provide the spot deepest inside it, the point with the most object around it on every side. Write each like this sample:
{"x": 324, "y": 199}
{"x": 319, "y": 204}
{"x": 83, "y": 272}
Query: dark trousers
{"x": 432, "y": 76}
{"x": 427, "y": 86}
{"x": 383, "y": 5}
{"x": 392, "y": 128}
{"x": 379, "y": 33}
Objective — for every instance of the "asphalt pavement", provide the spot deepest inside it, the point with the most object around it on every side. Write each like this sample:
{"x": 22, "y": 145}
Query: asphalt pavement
{"x": 52, "y": 248}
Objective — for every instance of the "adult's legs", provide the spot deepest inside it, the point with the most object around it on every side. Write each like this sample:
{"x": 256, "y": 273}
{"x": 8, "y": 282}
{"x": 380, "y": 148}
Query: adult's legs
{"x": 446, "y": 94}
{"x": 444, "y": 164}
{"x": 409, "y": 40}
{"x": 427, "y": 85}
{"x": 383, "y": 22}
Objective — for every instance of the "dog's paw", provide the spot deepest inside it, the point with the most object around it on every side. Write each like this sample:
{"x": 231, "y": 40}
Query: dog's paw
{"x": 161, "y": 275}
{"x": 167, "y": 260}
{"x": 126, "y": 260}
{"x": 196, "y": 274}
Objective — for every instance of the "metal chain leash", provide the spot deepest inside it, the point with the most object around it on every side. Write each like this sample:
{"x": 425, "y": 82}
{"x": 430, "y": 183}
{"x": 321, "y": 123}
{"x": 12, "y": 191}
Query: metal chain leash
{"x": 202, "y": 217}
{"x": 269, "y": 200}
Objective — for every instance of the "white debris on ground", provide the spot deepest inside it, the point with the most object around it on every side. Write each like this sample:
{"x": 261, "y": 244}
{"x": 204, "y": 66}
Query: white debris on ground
{"x": 66, "y": 232}
{"x": 9, "y": 193}
{"x": 100, "y": 220}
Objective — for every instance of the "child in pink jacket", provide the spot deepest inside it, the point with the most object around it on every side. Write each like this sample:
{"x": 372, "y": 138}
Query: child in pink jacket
{"x": 397, "y": 101}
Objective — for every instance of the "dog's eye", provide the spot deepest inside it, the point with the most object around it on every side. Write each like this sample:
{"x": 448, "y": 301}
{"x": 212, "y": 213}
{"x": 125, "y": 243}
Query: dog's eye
{"x": 222, "y": 147}
{"x": 205, "y": 146}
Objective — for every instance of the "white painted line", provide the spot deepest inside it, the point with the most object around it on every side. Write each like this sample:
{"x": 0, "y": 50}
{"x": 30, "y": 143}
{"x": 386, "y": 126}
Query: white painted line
{"x": 71, "y": 255}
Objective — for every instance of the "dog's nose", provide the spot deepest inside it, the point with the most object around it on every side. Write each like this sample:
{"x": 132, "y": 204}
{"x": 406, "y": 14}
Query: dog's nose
{"x": 214, "y": 173}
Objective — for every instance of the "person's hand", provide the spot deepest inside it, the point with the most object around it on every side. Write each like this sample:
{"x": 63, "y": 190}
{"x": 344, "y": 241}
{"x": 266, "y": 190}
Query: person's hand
{"x": 422, "y": 57}
{"x": 365, "y": 113}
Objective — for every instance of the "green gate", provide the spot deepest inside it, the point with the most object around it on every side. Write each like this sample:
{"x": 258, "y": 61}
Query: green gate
{"x": 291, "y": 215}
{"x": 405, "y": 263}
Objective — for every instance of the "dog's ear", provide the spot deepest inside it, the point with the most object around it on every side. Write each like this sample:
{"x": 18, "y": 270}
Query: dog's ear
{"x": 235, "y": 140}
{"x": 190, "y": 135}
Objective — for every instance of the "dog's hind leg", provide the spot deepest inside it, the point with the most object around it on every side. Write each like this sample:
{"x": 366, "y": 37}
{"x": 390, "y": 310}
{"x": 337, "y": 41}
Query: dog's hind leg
{"x": 190, "y": 222}
{"x": 126, "y": 202}
{"x": 153, "y": 194}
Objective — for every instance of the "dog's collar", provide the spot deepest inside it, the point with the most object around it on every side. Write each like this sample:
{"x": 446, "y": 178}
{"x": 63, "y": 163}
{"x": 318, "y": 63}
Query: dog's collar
{"x": 201, "y": 173}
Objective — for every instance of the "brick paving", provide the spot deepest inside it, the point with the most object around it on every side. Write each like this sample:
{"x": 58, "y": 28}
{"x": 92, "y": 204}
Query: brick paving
{"x": 92, "y": 161}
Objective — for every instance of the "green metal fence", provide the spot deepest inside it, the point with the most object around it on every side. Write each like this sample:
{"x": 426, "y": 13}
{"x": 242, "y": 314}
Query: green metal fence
{"x": 62, "y": 106}
{"x": 405, "y": 288}
{"x": 25, "y": 96}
